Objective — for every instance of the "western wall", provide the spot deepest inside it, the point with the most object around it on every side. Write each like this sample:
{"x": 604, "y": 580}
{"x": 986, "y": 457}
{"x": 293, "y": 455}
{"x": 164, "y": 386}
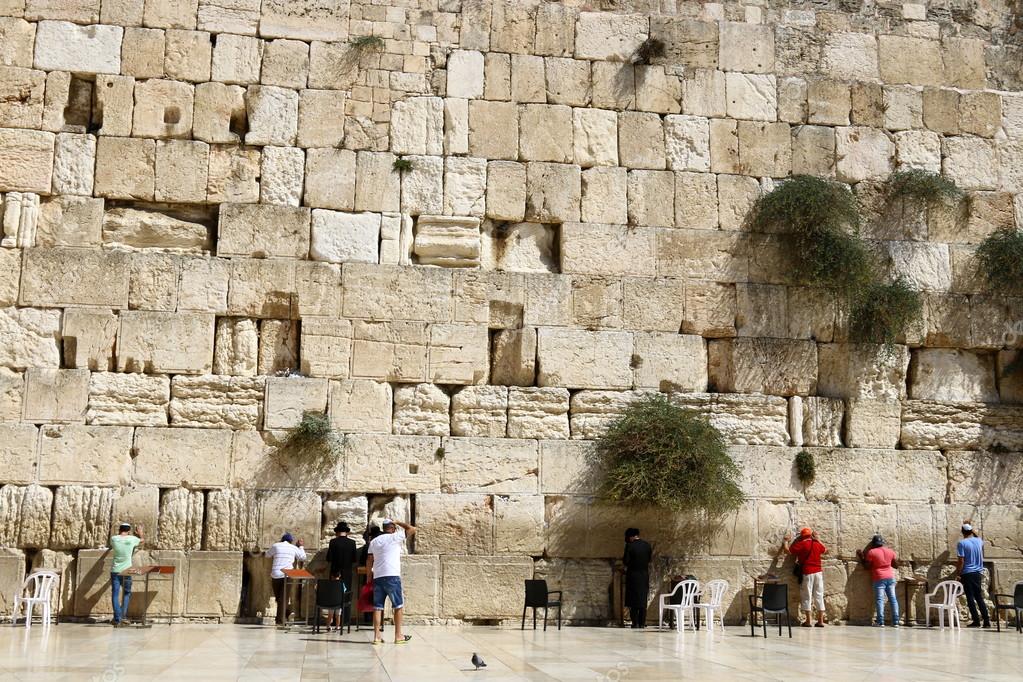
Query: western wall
{"x": 470, "y": 232}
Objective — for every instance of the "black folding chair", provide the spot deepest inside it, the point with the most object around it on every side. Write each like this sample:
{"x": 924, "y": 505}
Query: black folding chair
{"x": 1016, "y": 606}
{"x": 538, "y": 596}
{"x": 331, "y": 595}
{"x": 774, "y": 599}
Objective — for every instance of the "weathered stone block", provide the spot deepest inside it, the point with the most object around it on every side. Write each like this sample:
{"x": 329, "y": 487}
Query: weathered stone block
{"x": 421, "y": 410}
{"x": 751, "y": 96}
{"x": 26, "y": 160}
{"x": 850, "y": 56}
{"x": 289, "y": 398}
{"x": 29, "y": 337}
{"x": 330, "y": 178}
{"x": 611, "y": 37}
{"x": 18, "y": 453}
{"x": 859, "y": 371}
{"x": 480, "y": 411}
{"x": 85, "y": 454}
{"x": 455, "y": 524}
{"x": 56, "y": 396}
{"x": 720, "y": 257}
{"x": 82, "y": 517}
{"x": 821, "y": 423}
{"x": 214, "y": 583}
{"x": 465, "y": 74}
{"x": 863, "y": 153}
{"x": 127, "y": 399}
{"x": 670, "y": 361}
{"x": 73, "y": 163}
{"x": 172, "y": 457}
{"x": 126, "y": 168}
{"x": 171, "y": 343}
{"x": 360, "y": 406}
{"x": 953, "y": 375}
{"x": 63, "y": 46}
{"x": 936, "y": 425}
{"x": 262, "y": 231}
{"x": 216, "y": 401}
{"x": 552, "y": 192}
{"x": 581, "y": 359}
{"x": 772, "y": 366}
{"x": 394, "y": 293}
{"x": 388, "y": 463}
{"x": 326, "y": 347}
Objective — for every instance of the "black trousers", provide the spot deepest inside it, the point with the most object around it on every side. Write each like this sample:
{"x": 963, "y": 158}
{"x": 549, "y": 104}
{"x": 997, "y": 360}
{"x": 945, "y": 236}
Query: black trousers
{"x": 278, "y": 584}
{"x": 975, "y": 596}
{"x": 638, "y": 616}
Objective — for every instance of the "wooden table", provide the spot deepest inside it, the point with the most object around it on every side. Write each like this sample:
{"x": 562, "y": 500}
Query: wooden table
{"x": 909, "y": 583}
{"x": 297, "y": 576}
{"x": 147, "y": 571}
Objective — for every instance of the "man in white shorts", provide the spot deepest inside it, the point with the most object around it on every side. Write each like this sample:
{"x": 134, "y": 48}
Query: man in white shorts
{"x": 384, "y": 564}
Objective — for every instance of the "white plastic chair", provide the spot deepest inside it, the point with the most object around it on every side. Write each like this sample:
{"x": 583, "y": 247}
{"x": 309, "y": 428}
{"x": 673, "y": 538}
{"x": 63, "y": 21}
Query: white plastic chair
{"x": 944, "y": 598}
{"x": 35, "y": 590}
{"x": 711, "y": 596}
{"x": 686, "y": 592}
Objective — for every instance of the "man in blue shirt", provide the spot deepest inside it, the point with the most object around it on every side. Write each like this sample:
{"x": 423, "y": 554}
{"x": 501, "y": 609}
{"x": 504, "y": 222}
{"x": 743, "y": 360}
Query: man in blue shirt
{"x": 970, "y": 569}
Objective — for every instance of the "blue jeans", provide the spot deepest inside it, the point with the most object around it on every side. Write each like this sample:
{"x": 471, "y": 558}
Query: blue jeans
{"x": 117, "y": 581}
{"x": 387, "y": 587}
{"x": 882, "y": 588}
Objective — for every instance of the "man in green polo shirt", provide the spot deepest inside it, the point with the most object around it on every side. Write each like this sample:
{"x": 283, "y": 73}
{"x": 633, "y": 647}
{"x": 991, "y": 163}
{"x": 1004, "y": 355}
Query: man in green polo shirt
{"x": 123, "y": 545}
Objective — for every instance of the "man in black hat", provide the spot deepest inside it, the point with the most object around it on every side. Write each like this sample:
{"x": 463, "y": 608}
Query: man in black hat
{"x": 341, "y": 555}
{"x": 638, "y": 554}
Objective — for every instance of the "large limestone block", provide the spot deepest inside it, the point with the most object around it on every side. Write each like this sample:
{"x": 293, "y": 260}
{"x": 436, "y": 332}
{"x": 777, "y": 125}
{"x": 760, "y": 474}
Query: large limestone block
{"x": 421, "y": 410}
{"x": 455, "y": 524}
{"x": 166, "y": 343}
{"x": 970, "y": 162}
{"x": 447, "y": 241}
{"x": 751, "y": 96}
{"x": 862, "y": 371}
{"x": 397, "y": 293}
{"x": 420, "y": 580}
{"x": 263, "y": 231}
{"x": 126, "y": 168}
{"x": 56, "y": 396}
{"x": 993, "y": 478}
{"x": 720, "y": 257}
{"x": 326, "y": 347}
{"x": 952, "y": 375}
{"x": 289, "y": 398}
{"x": 29, "y": 337}
{"x": 465, "y": 74}
{"x": 235, "y": 346}
{"x": 863, "y": 153}
{"x": 281, "y": 176}
{"x": 605, "y": 195}
{"x": 127, "y": 399}
{"x": 519, "y": 524}
{"x": 63, "y": 46}
{"x": 459, "y": 354}
{"x": 925, "y": 68}
{"x": 545, "y": 133}
{"x": 269, "y": 459}
{"x": 26, "y": 160}
{"x": 17, "y": 37}
{"x": 612, "y": 37}
{"x": 538, "y": 413}
{"x": 214, "y": 584}
{"x": 582, "y": 359}
{"x": 25, "y": 516}
{"x": 850, "y": 56}
{"x": 273, "y": 115}
{"x": 872, "y": 423}
{"x": 552, "y": 192}
{"x": 879, "y": 475}
{"x": 417, "y": 126}
{"x": 70, "y": 221}
{"x": 233, "y": 174}
{"x": 483, "y": 587}
{"x": 18, "y": 452}
{"x": 933, "y": 425}
{"x": 163, "y": 108}
{"x": 422, "y": 187}
{"x": 98, "y": 278}
{"x": 567, "y": 468}
{"x": 73, "y": 163}
{"x": 82, "y": 517}
{"x": 12, "y": 389}
{"x": 85, "y": 454}
{"x": 651, "y": 198}
{"x": 595, "y": 137}
{"x": 153, "y": 281}
{"x": 202, "y": 286}
{"x": 465, "y": 185}
{"x": 345, "y": 237}
{"x": 317, "y": 290}
{"x": 393, "y": 463}
{"x": 480, "y": 411}
{"x": 360, "y": 406}
{"x": 330, "y": 178}
{"x": 675, "y": 362}
{"x": 392, "y": 351}
{"x": 217, "y": 401}
{"x": 172, "y": 457}
{"x": 771, "y": 366}
{"x": 820, "y": 422}
{"x": 641, "y": 140}
{"x": 278, "y": 346}
{"x": 924, "y": 266}
{"x": 496, "y": 465}
{"x": 585, "y": 247}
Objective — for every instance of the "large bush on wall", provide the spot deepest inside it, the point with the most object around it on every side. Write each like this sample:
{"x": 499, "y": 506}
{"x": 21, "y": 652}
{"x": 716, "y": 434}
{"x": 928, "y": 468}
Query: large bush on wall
{"x": 1000, "y": 260}
{"x": 658, "y": 454}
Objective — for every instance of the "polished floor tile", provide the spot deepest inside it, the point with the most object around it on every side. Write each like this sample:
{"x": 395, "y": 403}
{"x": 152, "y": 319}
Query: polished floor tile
{"x": 197, "y": 652}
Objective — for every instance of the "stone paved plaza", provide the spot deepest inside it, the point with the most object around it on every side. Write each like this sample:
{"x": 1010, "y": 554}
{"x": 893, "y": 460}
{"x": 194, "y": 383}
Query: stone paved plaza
{"x": 249, "y": 652}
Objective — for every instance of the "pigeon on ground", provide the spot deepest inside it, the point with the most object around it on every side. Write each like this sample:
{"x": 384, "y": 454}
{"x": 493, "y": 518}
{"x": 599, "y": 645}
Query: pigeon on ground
{"x": 477, "y": 661}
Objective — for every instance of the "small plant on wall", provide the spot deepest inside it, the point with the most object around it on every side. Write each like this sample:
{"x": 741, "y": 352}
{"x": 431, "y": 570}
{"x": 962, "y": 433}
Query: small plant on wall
{"x": 402, "y": 165}
{"x": 660, "y": 455}
{"x": 806, "y": 467}
{"x": 315, "y": 437}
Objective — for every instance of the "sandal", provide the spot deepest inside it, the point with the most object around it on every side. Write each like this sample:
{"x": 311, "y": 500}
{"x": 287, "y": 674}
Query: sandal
{"x": 405, "y": 640}
{"x": 377, "y": 642}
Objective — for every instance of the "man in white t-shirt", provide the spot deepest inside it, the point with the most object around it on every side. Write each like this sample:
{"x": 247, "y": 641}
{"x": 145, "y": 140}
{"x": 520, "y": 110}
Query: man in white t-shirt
{"x": 284, "y": 555}
{"x": 384, "y": 564}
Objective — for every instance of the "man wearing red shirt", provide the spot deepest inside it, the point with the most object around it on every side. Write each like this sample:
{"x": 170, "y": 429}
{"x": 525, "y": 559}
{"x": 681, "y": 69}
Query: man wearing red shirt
{"x": 808, "y": 550}
{"x": 882, "y": 561}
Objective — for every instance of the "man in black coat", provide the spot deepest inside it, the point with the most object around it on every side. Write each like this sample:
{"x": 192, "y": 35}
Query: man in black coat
{"x": 341, "y": 555}
{"x": 638, "y": 554}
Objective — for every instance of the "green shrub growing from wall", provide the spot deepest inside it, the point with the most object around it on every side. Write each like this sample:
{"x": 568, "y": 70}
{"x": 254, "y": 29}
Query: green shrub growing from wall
{"x": 1000, "y": 261}
{"x": 884, "y": 313}
{"x": 315, "y": 437}
{"x": 806, "y": 467}
{"x": 658, "y": 454}
{"x": 920, "y": 185}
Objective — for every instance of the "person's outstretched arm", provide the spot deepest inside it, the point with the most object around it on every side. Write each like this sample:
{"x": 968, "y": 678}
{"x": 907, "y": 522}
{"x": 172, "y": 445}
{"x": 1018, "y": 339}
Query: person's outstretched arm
{"x": 410, "y": 530}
